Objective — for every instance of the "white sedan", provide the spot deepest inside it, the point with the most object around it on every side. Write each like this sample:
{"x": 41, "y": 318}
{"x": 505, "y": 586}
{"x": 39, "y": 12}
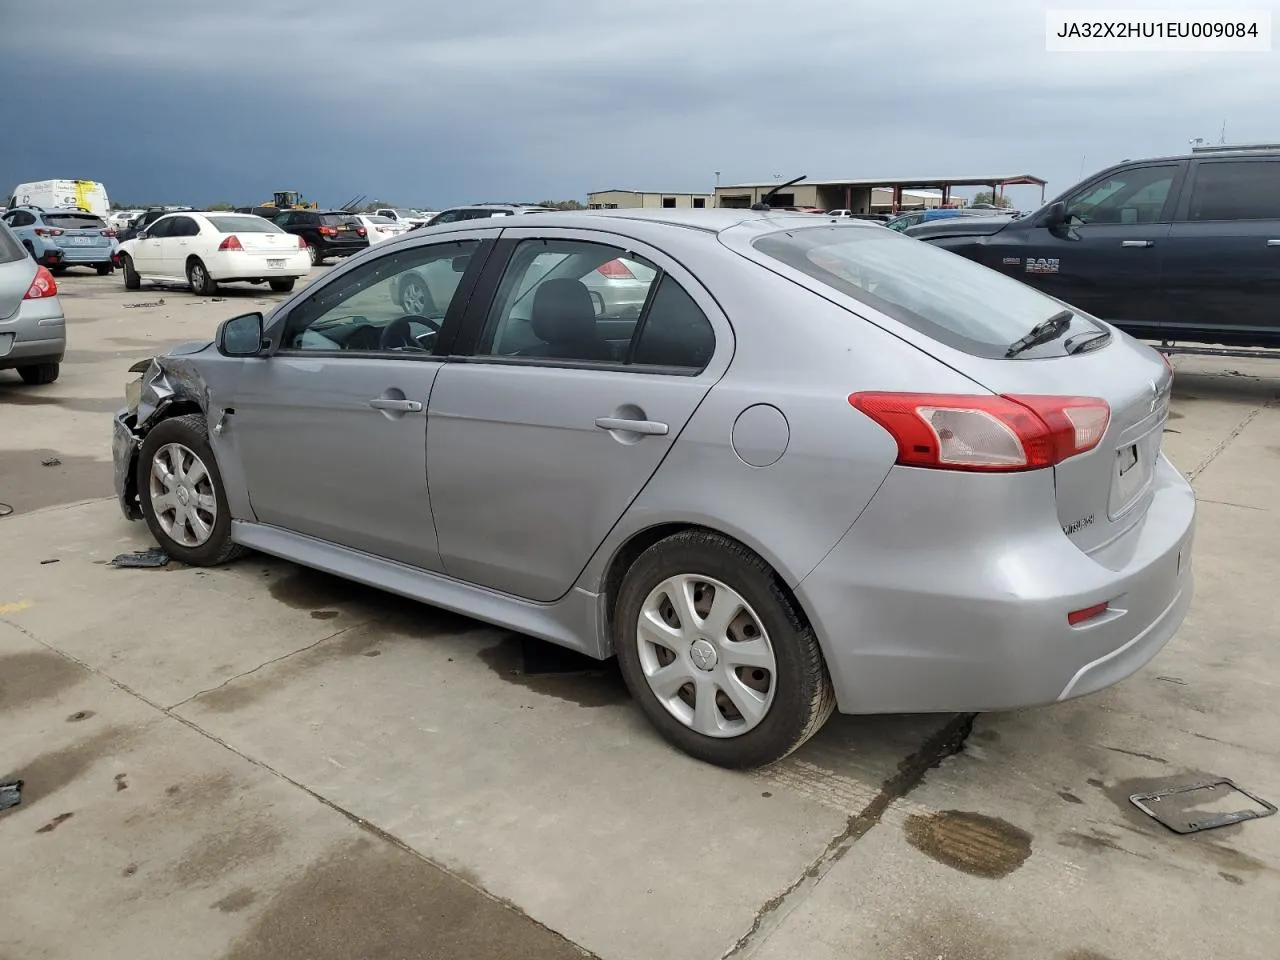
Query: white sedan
{"x": 381, "y": 228}
{"x": 205, "y": 249}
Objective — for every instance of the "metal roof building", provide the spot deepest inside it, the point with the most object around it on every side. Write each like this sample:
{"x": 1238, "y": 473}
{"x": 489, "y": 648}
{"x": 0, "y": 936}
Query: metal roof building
{"x": 856, "y": 194}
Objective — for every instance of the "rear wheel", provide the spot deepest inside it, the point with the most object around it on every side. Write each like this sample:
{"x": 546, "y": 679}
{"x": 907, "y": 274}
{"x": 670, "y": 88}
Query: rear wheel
{"x": 181, "y": 492}
{"x": 314, "y": 253}
{"x": 37, "y": 374}
{"x": 131, "y": 279}
{"x": 716, "y": 653}
{"x": 198, "y": 277}
{"x": 282, "y": 286}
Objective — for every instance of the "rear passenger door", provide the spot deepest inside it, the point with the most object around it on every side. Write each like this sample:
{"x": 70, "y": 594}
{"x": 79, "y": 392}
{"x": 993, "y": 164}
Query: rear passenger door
{"x": 560, "y": 405}
{"x": 1222, "y": 259}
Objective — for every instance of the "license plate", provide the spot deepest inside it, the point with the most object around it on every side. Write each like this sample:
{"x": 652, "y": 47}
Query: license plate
{"x": 82, "y": 241}
{"x": 275, "y": 262}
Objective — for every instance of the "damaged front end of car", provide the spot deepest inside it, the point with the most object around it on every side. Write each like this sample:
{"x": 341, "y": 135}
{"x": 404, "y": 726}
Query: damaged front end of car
{"x": 166, "y": 386}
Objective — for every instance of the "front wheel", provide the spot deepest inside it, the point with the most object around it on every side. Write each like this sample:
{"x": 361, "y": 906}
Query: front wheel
{"x": 716, "y": 653}
{"x": 131, "y": 279}
{"x": 38, "y": 374}
{"x": 282, "y": 286}
{"x": 198, "y": 277}
{"x": 181, "y": 493}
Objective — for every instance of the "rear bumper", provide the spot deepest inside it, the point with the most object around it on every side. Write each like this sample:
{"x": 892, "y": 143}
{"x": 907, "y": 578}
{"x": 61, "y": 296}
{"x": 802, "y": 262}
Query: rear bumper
{"x": 235, "y": 265}
{"x": 342, "y": 249}
{"x": 36, "y": 334}
{"x": 86, "y": 256}
{"x": 951, "y": 593}
{"x": 124, "y": 453}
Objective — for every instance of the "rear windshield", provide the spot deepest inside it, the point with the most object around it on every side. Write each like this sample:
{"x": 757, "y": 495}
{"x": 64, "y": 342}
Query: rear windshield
{"x": 74, "y": 221}
{"x": 10, "y": 248}
{"x": 335, "y": 219}
{"x": 941, "y": 294}
{"x": 379, "y": 219}
{"x": 243, "y": 225}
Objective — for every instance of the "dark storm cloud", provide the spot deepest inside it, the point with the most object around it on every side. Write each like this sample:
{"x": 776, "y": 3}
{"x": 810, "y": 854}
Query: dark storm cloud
{"x": 442, "y": 103}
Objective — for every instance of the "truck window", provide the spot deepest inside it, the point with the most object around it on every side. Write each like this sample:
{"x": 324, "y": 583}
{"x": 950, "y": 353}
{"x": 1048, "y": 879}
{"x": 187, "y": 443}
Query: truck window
{"x": 1131, "y": 196}
{"x": 1240, "y": 190}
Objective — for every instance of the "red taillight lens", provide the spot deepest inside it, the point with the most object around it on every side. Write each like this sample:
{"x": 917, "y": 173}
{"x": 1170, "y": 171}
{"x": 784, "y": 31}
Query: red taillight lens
{"x": 328, "y": 231}
{"x": 1076, "y": 617}
{"x": 986, "y": 433}
{"x": 108, "y": 233}
{"x": 615, "y": 270}
{"x": 360, "y": 231}
{"x": 230, "y": 243}
{"x": 48, "y": 232}
{"x": 302, "y": 243}
{"x": 42, "y": 286}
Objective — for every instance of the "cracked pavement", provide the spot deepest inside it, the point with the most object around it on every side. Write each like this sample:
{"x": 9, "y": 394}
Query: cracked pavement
{"x": 261, "y": 761}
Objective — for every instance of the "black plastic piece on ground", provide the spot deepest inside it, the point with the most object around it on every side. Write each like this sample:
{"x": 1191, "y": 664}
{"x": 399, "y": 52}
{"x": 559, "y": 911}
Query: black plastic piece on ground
{"x": 10, "y": 794}
{"x": 155, "y": 557}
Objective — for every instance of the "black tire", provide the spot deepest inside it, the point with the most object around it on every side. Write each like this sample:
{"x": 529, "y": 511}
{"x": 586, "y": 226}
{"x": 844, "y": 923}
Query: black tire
{"x": 58, "y": 270}
{"x": 282, "y": 286}
{"x": 192, "y": 432}
{"x": 314, "y": 253}
{"x": 803, "y": 697}
{"x": 105, "y": 269}
{"x": 202, "y": 285}
{"x": 38, "y": 374}
{"x": 131, "y": 279}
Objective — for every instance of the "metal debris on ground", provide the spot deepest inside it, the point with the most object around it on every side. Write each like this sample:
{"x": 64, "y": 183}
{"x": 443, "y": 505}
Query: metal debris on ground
{"x": 51, "y": 462}
{"x": 148, "y": 303}
{"x": 1176, "y": 807}
{"x": 10, "y": 794}
{"x": 155, "y": 557}
{"x": 44, "y": 563}
{"x": 5, "y": 509}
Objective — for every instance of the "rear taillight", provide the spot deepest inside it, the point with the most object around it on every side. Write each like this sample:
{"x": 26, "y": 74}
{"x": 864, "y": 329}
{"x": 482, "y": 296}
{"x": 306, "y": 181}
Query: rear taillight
{"x": 1168, "y": 364}
{"x": 107, "y": 233}
{"x": 48, "y": 232}
{"x": 42, "y": 286}
{"x": 302, "y": 243}
{"x": 1077, "y": 617}
{"x": 360, "y": 231}
{"x": 615, "y": 270}
{"x": 986, "y": 433}
{"x": 328, "y": 231}
{"x": 230, "y": 243}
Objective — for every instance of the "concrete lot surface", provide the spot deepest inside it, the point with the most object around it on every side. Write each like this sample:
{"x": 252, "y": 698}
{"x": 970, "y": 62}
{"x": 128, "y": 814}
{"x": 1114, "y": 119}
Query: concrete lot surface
{"x": 260, "y": 761}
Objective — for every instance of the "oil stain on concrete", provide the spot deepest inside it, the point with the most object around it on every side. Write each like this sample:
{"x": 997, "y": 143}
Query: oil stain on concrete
{"x": 48, "y": 773}
{"x": 28, "y": 678}
{"x": 555, "y": 671}
{"x": 220, "y": 852}
{"x": 367, "y": 899}
{"x": 29, "y": 485}
{"x": 973, "y": 843}
{"x": 236, "y": 901}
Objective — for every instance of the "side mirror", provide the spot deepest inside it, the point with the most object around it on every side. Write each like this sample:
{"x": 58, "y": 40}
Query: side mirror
{"x": 240, "y": 336}
{"x": 459, "y": 264}
{"x": 1056, "y": 215}
{"x": 140, "y": 235}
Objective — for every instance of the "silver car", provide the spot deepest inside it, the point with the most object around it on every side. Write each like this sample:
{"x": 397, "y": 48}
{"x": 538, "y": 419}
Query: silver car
{"x": 33, "y": 331}
{"x": 826, "y": 467}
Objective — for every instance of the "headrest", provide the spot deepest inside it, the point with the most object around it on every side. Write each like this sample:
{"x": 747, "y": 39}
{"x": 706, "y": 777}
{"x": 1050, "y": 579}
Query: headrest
{"x": 563, "y": 311}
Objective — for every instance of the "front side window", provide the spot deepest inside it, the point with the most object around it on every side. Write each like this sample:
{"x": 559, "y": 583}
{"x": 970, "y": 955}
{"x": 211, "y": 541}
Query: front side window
{"x": 162, "y": 228}
{"x": 946, "y": 297}
{"x": 572, "y": 300}
{"x": 1236, "y": 190}
{"x": 371, "y": 309}
{"x": 183, "y": 227}
{"x": 1132, "y": 196}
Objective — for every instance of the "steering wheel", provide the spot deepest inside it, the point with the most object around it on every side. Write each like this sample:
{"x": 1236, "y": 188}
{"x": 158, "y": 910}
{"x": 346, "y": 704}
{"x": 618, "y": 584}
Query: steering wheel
{"x": 399, "y": 332}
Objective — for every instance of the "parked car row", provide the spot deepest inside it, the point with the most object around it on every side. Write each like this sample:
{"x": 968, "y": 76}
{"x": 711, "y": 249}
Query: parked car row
{"x": 60, "y": 238}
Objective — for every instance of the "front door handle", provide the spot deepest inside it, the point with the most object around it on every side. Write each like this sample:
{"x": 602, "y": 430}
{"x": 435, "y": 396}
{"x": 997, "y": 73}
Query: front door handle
{"x": 1137, "y": 243}
{"x": 650, "y": 428}
{"x": 1273, "y": 243}
{"x": 401, "y": 406}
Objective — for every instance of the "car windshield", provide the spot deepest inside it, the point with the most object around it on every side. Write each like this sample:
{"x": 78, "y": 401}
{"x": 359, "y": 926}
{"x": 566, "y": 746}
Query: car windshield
{"x": 74, "y": 221}
{"x": 243, "y": 225}
{"x": 944, "y": 296}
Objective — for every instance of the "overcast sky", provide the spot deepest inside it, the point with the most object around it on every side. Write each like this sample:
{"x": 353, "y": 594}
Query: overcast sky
{"x": 436, "y": 103}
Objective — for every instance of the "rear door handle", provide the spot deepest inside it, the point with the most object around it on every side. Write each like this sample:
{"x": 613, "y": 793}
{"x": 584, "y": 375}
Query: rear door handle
{"x": 1137, "y": 243}
{"x": 403, "y": 406}
{"x": 1273, "y": 243}
{"x": 650, "y": 428}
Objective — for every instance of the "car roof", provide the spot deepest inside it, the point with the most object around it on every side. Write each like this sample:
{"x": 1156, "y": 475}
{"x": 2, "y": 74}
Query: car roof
{"x": 709, "y": 221}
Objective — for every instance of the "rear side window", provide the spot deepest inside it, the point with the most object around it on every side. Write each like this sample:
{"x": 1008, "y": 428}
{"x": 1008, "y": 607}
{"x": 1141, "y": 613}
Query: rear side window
{"x": 74, "y": 221}
{"x": 944, "y": 296}
{"x": 10, "y": 249}
{"x": 1242, "y": 190}
{"x": 243, "y": 225}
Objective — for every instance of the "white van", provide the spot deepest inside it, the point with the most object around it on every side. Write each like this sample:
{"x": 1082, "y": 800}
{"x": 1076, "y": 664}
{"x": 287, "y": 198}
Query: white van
{"x": 86, "y": 194}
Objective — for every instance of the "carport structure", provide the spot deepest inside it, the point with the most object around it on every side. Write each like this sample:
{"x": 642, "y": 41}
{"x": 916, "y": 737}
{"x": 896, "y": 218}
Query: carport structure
{"x": 857, "y": 195}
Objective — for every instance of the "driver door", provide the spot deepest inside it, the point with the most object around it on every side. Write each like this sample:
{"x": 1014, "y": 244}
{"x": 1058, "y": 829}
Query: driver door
{"x": 330, "y": 426}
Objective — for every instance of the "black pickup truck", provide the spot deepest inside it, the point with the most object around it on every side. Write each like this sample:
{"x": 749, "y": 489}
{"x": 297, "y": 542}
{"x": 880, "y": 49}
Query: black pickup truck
{"x": 1176, "y": 249}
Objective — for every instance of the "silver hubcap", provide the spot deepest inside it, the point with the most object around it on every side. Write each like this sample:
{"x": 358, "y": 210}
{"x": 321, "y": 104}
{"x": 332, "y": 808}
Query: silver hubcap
{"x": 414, "y": 297}
{"x": 182, "y": 495}
{"x": 197, "y": 276}
{"x": 706, "y": 656}
{"x": 311, "y": 252}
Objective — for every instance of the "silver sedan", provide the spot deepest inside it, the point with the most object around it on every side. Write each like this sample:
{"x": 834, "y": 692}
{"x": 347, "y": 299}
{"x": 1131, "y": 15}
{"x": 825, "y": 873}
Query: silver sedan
{"x": 820, "y": 467}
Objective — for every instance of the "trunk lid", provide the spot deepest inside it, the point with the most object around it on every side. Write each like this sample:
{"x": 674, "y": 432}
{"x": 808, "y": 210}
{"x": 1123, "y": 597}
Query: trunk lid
{"x": 1102, "y": 493}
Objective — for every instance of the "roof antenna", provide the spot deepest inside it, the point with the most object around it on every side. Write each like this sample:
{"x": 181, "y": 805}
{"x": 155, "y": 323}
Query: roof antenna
{"x": 763, "y": 203}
